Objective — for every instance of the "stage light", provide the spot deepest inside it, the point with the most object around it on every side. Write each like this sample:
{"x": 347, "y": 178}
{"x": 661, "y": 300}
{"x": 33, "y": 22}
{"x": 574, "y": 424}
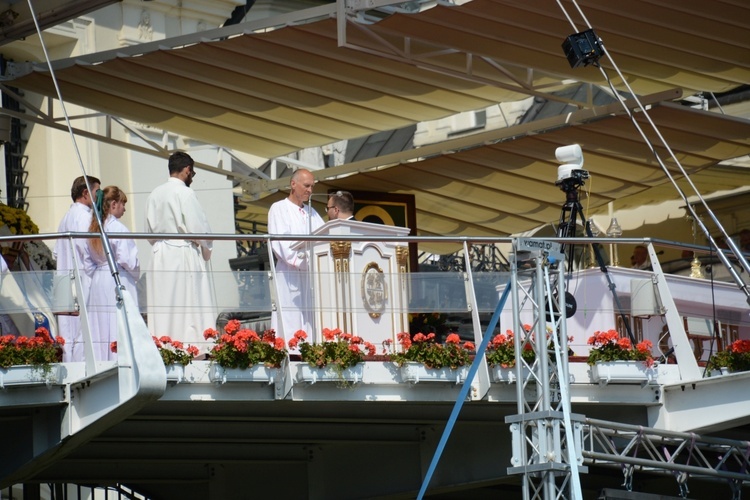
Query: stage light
{"x": 582, "y": 48}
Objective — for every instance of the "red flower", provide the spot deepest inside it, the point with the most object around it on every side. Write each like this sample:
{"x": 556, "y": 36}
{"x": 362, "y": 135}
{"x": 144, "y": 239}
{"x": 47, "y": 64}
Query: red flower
{"x": 370, "y": 349}
{"x": 232, "y": 326}
{"x": 113, "y": 346}
{"x": 210, "y": 333}
{"x": 453, "y": 338}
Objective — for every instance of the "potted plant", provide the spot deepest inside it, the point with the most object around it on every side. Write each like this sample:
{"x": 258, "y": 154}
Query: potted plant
{"x": 735, "y": 358}
{"x": 615, "y": 360}
{"x": 501, "y": 351}
{"x": 423, "y": 358}
{"x": 174, "y": 355}
{"x": 501, "y": 356}
{"x": 25, "y": 360}
{"x": 241, "y": 354}
{"x": 337, "y": 358}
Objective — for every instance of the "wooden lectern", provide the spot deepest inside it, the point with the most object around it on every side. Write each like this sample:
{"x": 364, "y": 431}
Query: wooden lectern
{"x": 360, "y": 286}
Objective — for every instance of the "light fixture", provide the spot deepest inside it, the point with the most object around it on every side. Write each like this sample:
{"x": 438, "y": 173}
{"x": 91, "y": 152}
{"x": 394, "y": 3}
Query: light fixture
{"x": 582, "y": 48}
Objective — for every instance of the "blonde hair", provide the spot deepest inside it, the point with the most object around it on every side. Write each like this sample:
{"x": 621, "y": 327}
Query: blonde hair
{"x": 111, "y": 194}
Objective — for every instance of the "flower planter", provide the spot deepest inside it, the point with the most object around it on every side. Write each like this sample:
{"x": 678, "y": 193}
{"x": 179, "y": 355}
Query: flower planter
{"x": 257, "y": 374}
{"x": 28, "y": 375}
{"x": 175, "y": 373}
{"x": 622, "y": 372}
{"x": 506, "y": 375}
{"x": 417, "y": 372}
{"x": 330, "y": 373}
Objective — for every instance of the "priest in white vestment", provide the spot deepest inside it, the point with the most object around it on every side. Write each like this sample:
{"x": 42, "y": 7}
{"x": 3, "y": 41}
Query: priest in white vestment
{"x": 70, "y": 256}
{"x": 101, "y": 304}
{"x": 293, "y": 277}
{"x": 180, "y": 292}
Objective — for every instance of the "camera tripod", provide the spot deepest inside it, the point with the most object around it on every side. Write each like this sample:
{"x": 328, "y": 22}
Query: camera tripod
{"x": 571, "y": 211}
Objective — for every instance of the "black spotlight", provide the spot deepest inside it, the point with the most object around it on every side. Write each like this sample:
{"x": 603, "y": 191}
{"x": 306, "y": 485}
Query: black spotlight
{"x": 582, "y": 48}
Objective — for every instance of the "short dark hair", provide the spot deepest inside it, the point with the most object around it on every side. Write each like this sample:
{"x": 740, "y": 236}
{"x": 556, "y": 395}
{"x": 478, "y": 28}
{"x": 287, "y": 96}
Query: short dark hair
{"x": 79, "y": 186}
{"x": 178, "y": 161}
{"x": 343, "y": 200}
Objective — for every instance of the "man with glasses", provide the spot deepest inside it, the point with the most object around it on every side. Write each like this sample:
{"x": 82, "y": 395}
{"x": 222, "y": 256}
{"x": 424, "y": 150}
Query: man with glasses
{"x": 180, "y": 291}
{"x": 340, "y": 206}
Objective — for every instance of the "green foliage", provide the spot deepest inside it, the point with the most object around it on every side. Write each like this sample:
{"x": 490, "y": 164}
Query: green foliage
{"x": 609, "y": 346}
{"x": 17, "y": 220}
{"x": 422, "y": 348}
{"x": 501, "y": 351}
{"x": 736, "y": 357}
{"x": 174, "y": 352}
{"x": 242, "y": 348}
{"x": 39, "y": 351}
{"x": 339, "y": 349}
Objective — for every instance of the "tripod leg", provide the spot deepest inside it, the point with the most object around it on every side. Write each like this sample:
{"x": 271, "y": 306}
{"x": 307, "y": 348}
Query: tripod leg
{"x": 611, "y": 284}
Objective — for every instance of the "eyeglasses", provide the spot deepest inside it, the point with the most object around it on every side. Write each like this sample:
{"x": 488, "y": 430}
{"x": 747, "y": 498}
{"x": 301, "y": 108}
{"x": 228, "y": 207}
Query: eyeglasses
{"x": 329, "y": 208}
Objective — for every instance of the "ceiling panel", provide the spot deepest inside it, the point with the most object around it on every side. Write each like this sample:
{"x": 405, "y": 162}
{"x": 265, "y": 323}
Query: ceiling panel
{"x": 278, "y": 91}
{"x": 508, "y": 187}
{"x": 274, "y": 92}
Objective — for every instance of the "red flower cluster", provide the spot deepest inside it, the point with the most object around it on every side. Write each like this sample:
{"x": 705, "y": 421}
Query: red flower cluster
{"x": 338, "y": 348}
{"x": 241, "y": 347}
{"x": 424, "y": 349}
{"x": 171, "y": 351}
{"x": 41, "y": 349}
{"x": 609, "y": 346}
{"x": 740, "y": 346}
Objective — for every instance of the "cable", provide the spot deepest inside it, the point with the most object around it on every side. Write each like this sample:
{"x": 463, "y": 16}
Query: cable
{"x": 102, "y": 233}
{"x": 743, "y": 286}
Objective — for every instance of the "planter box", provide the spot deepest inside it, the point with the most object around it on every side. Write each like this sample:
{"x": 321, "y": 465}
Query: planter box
{"x": 311, "y": 375}
{"x": 259, "y": 374}
{"x": 506, "y": 375}
{"x": 28, "y": 375}
{"x": 417, "y": 372}
{"x": 175, "y": 373}
{"x": 622, "y": 372}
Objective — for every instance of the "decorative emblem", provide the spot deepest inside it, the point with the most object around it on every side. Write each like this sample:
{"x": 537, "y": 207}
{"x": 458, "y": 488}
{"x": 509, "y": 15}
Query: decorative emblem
{"x": 374, "y": 290}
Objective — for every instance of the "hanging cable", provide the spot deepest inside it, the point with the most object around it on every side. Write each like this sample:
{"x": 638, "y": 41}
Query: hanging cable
{"x": 734, "y": 249}
{"x": 102, "y": 233}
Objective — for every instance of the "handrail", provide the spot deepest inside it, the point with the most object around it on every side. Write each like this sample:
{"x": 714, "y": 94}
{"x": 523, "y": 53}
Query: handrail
{"x": 404, "y": 239}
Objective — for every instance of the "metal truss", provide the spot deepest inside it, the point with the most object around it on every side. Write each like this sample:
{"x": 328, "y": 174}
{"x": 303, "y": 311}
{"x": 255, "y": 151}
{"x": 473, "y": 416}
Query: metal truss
{"x": 546, "y": 437}
{"x": 634, "y": 449}
{"x": 550, "y": 444}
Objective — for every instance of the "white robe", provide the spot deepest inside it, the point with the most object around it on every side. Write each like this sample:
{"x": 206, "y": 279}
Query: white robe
{"x": 76, "y": 220}
{"x": 101, "y": 297}
{"x": 180, "y": 292}
{"x": 7, "y": 326}
{"x": 293, "y": 281}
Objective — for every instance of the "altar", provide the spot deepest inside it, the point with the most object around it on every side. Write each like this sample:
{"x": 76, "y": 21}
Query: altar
{"x": 360, "y": 287}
